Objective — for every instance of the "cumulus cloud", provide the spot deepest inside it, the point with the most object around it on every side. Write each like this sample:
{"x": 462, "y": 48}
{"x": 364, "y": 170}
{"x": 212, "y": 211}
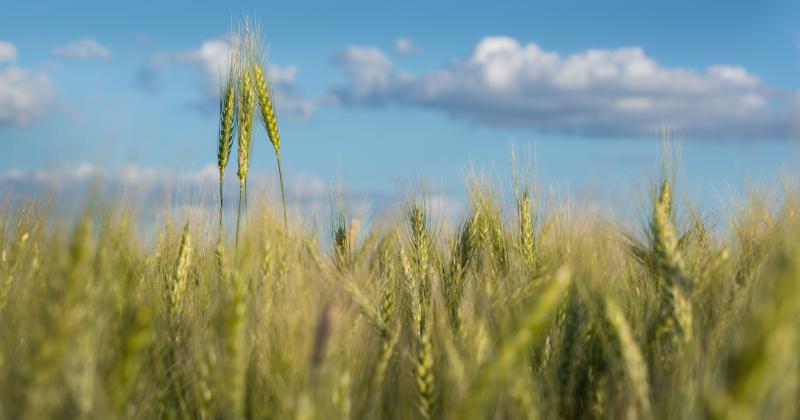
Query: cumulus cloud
{"x": 83, "y": 49}
{"x": 8, "y": 52}
{"x": 595, "y": 92}
{"x": 404, "y": 45}
{"x": 25, "y": 96}
{"x": 211, "y": 60}
{"x": 371, "y": 77}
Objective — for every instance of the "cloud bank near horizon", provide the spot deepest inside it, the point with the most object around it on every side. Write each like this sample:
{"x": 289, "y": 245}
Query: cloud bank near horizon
{"x": 151, "y": 189}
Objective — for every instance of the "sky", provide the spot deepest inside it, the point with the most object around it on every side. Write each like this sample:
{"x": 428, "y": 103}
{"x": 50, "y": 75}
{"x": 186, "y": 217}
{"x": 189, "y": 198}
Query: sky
{"x": 382, "y": 95}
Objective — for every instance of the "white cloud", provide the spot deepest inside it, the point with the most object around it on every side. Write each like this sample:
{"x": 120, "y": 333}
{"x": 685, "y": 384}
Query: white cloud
{"x": 307, "y": 186}
{"x": 288, "y": 98}
{"x": 8, "y": 52}
{"x": 278, "y": 74}
{"x": 83, "y": 49}
{"x": 51, "y": 179}
{"x": 211, "y": 59}
{"x": 404, "y": 45}
{"x": 594, "y": 92}
{"x": 369, "y": 72}
{"x": 25, "y": 96}
{"x": 148, "y": 177}
{"x": 299, "y": 186}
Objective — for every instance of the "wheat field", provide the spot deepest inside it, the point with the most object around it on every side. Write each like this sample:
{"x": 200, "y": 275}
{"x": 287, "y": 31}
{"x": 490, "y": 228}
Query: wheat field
{"x": 525, "y": 309}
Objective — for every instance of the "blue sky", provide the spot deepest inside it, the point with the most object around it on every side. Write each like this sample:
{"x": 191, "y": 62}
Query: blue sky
{"x": 383, "y": 94}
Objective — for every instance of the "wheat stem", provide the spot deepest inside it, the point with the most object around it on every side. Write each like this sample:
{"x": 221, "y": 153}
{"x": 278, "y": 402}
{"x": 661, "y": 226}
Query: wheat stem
{"x": 239, "y": 214}
{"x": 283, "y": 194}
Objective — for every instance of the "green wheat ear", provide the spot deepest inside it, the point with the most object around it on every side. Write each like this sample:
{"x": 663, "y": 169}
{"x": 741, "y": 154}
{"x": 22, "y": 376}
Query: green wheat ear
{"x": 675, "y": 284}
{"x": 227, "y": 105}
{"x": 246, "y": 114}
{"x": 181, "y": 273}
{"x": 266, "y": 105}
{"x": 527, "y": 231}
{"x": 270, "y": 120}
{"x": 635, "y": 366}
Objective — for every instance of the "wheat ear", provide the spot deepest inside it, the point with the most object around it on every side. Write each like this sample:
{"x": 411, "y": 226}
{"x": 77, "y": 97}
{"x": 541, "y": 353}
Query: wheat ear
{"x": 245, "y": 126}
{"x": 675, "y": 283}
{"x": 270, "y": 120}
{"x": 227, "y": 103}
{"x": 526, "y": 230}
{"x": 631, "y": 355}
{"x": 181, "y": 274}
{"x": 423, "y": 373}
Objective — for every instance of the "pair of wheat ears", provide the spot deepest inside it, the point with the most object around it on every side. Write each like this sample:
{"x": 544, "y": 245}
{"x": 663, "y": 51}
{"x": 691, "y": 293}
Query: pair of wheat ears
{"x": 244, "y": 87}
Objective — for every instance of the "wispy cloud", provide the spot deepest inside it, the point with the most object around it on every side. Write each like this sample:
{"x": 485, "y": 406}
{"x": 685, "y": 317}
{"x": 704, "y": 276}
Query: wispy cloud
{"x": 8, "y": 51}
{"x": 25, "y": 95}
{"x": 83, "y": 49}
{"x": 594, "y": 92}
{"x": 405, "y": 45}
